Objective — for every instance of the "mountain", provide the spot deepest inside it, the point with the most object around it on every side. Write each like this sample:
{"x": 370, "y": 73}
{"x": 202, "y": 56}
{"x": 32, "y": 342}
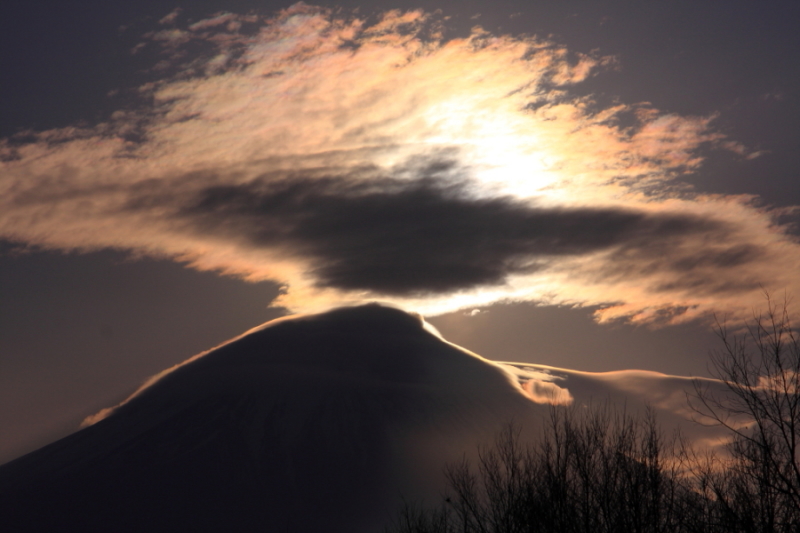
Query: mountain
{"x": 309, "y": 423}
{"x": 297, "y": 425}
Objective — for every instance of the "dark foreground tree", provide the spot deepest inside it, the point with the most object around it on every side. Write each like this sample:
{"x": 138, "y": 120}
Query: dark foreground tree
{"x": 758, "y": 488}
{"x": 601, "y": 470}
{"x": 598, "y": 471}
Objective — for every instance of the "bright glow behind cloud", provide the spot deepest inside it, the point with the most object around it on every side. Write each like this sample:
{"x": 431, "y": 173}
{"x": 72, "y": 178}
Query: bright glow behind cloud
{"x": 351, "y": 161}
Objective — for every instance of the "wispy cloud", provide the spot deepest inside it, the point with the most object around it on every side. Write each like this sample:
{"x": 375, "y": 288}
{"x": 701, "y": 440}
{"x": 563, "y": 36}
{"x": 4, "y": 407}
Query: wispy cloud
{"x": 351, "y": 160}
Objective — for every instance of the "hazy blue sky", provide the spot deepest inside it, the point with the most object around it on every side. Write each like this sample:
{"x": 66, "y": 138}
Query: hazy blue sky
{"x": 590, "y": 154}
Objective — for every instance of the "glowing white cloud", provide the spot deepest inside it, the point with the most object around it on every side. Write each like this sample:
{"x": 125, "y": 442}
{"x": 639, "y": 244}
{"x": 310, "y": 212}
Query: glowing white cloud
{"x": 336, "y": 115}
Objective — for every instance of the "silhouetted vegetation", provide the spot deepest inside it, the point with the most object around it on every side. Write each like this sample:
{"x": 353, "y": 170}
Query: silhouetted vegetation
{"x": 757, "y": 488}
{"x": 602, "y": 470}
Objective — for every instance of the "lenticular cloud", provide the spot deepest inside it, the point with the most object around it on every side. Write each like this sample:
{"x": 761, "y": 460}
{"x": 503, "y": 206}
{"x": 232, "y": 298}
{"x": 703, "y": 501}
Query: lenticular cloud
{"x": 351, "y": 159}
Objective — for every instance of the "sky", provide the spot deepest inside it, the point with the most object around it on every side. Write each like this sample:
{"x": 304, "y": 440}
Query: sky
{"x": 583, "y": 185}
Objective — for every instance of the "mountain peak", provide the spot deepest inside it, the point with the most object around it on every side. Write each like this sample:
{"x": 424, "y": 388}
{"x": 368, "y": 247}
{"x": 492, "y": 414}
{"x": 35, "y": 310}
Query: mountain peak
{"x": 341, "y": 413}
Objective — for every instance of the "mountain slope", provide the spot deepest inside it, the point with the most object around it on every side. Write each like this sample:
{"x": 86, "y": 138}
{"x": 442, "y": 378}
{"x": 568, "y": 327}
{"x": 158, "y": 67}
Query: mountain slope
{"x": 299, "y": 425}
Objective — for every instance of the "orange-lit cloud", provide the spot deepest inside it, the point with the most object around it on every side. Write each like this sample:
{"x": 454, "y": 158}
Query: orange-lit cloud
{"x": 352, "y": 161}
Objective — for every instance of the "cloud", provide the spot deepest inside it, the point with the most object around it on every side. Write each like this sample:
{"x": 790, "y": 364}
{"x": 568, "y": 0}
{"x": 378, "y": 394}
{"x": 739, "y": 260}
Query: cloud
{"x": 350, "y": 160}
{"x": 396, "y": 237}
{"x": 541, "y": 386}
{"x": 170, "y": 17}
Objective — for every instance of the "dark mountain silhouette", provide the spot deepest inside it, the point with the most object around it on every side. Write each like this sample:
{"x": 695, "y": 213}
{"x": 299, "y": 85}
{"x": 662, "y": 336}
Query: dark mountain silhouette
{"x": 311, "y": 423}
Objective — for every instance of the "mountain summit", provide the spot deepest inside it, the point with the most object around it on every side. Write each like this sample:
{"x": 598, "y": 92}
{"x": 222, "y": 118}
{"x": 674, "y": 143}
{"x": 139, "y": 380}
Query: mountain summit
{"x": 308, "y": 423}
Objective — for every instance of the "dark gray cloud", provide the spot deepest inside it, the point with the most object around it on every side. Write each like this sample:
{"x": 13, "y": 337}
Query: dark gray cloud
{"x": 428, "y": 235}
{"x": 699, "y": 266}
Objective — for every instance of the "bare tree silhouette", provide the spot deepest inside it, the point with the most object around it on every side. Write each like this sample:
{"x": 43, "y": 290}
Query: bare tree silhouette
{"x": 759, "y": 485}
{"x": 603, "y": 470}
